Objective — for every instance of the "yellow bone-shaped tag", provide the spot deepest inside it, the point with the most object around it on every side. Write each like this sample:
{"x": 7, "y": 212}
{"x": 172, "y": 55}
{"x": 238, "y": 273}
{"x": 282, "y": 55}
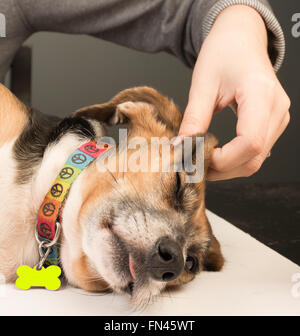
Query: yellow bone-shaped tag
{"x": 31, "y": 277}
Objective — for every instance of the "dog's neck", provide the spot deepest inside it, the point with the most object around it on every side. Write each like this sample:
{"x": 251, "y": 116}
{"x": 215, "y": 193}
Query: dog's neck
{"x": 53, "y": 161}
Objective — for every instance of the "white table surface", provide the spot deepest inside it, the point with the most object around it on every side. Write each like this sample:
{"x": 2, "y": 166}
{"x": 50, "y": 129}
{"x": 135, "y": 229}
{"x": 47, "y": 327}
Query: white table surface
{"x": 255, "y": 281}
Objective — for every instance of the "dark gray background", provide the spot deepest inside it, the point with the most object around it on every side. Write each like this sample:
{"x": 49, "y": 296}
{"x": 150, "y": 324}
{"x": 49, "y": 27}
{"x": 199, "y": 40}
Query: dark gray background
{"x": 73, "y": 71}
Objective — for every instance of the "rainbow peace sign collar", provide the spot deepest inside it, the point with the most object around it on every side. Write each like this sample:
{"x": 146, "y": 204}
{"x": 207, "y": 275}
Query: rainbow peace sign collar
{"x": 49, "y": 216}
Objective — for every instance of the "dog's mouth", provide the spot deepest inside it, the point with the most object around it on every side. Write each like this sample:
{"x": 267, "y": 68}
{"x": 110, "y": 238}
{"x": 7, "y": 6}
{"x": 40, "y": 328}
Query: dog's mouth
{"x": 127, "y": 262}
{"x": 143, "y": 271}
{"x": 134, "y": 259}
{"x": 132, "y": 270}
{"x": 132, "y": 267}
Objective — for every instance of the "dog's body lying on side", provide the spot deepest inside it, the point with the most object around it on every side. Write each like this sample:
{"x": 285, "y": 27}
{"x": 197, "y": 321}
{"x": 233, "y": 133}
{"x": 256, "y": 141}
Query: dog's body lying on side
{"x": 134, "y": 232}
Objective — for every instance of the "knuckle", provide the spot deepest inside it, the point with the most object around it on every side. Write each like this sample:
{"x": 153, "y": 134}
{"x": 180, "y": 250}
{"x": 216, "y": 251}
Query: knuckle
{"x": 286, "y": 119}
{"x": 219, "y": 166}
{"x": 252, "y": 167}
{"x": 285, "y": 102}
{"x": 262, "y": 84}
{"x": 265, "y": 80}
{"x": 255, "y": 144}
{"x": 270, "y": 84}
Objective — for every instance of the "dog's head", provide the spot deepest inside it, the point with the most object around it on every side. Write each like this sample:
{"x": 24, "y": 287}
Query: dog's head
{"x": 141, "y": 231}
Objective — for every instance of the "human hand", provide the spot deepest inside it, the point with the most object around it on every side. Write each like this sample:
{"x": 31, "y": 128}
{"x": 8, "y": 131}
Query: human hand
{"x": 234, "y": 65}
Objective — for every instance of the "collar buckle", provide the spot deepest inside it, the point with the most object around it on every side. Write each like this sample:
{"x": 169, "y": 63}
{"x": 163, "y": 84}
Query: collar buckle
{"x": 46, "y": 244}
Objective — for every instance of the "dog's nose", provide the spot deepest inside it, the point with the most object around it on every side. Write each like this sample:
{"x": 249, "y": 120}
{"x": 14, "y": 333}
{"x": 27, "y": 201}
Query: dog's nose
{"x": 166, "y": 260}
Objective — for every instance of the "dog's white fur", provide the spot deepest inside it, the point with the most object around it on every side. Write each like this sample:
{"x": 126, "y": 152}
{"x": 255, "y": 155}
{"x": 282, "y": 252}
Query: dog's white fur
{"x": 20, "y": 206}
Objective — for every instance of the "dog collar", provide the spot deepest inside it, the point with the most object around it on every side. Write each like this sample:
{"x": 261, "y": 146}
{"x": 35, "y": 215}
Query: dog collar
{"x": 49, "y": 215}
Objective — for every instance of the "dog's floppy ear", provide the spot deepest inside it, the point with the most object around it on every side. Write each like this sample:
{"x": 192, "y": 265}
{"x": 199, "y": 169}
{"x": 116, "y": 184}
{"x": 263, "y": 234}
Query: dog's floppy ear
{"x": 133, "y": 105}
{"x": 214, "y": 259}
{"x": 210, "y": 142}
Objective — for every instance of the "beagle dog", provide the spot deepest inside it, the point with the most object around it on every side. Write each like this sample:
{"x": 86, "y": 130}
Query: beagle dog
{"x": 132, "y": 232}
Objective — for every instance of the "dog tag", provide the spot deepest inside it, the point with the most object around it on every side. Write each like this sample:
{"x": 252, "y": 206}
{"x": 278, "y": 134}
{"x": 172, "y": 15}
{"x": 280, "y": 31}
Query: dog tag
{"x": 31, "y": 277}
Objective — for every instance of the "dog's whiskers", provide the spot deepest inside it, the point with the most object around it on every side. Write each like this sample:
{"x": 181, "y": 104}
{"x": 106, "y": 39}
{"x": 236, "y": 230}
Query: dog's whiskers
{"x": 141, "y": 207}
{"x": 129, "y": 204}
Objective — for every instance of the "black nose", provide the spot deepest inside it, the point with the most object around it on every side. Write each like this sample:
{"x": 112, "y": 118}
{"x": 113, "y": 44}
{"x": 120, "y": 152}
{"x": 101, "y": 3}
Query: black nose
{"x": 166, "y": 260}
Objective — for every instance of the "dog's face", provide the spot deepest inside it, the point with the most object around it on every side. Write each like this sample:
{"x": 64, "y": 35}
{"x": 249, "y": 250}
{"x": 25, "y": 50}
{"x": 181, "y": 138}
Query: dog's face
{"x": 141, "y": 232}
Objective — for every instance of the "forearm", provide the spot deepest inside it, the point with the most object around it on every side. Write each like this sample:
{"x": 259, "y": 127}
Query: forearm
{"x": 175, "y": 26}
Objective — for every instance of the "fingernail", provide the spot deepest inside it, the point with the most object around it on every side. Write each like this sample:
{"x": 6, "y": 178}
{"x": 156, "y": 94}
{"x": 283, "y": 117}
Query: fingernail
{"x": 177, "y": 140}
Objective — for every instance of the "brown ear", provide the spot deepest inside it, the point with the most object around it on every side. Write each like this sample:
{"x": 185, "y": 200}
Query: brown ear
{"x": 210, "y": 142}
{"x": 113, "y": 112}
{"x": 214, "y": 259}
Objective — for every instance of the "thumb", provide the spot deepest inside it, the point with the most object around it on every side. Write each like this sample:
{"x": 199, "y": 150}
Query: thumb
{"x": 200, "y": 107}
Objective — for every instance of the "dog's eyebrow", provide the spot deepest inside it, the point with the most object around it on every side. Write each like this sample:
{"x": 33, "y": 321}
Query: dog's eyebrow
{"x": 106, "y": 223}
{"x": 189, "y": 198}
{"x": 195, "y": 248}
{"x": 179, "y": 191}
{"x": 178, "y": 183}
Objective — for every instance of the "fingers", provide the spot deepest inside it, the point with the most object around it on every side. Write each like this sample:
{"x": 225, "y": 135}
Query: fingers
{"x": 278, "y": 124}
{"x": 262, "y": 106}
{"x": 201, "y": 104}
{"x": 252, "y": 127}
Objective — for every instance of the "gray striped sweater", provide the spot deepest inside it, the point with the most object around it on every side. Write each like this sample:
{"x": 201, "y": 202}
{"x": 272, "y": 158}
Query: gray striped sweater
{"x": 175, "y": 26}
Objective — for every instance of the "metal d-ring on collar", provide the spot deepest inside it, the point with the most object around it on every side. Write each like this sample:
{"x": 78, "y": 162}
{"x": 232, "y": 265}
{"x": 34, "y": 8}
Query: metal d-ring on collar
{"x": 46, "y": 245}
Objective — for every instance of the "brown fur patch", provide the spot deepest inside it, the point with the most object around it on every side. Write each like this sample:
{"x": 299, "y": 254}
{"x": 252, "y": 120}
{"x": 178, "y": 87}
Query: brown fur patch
{"x": 13, "y": 115}
{"x": 86, "y": 277}
{"x": 214, "y": 260}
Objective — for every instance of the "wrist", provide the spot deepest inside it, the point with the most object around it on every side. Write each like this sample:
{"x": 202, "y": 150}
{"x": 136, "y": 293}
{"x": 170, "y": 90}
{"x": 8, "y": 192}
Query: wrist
{"x": 241, "y": 22}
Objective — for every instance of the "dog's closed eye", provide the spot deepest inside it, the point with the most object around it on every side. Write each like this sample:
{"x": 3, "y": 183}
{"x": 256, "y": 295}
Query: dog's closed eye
{"x": 178, "y": 183}
{"x": 191, "y": 264}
